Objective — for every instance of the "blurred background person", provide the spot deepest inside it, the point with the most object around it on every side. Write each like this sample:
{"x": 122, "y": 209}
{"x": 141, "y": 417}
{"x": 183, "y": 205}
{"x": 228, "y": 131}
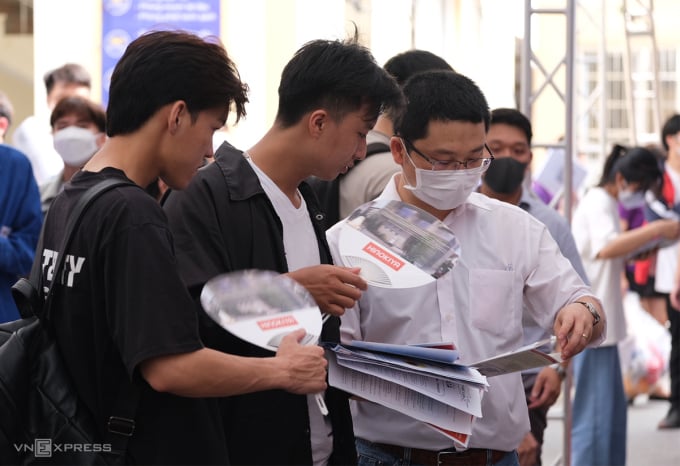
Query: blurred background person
{"x": 667, "y": 262}
{"x": 20, "y": 217}
{"x": 78, "y": 130}
{"x": 640, "y": 272}
{"x": 600, "y": 404}
{"x": 33, "y": 136}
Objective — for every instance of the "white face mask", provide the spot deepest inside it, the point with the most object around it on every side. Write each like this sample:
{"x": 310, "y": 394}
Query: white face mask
{"x": 75, "y": 145}
{"x": 444, "y": 189}
{"x": 631, "y": 199}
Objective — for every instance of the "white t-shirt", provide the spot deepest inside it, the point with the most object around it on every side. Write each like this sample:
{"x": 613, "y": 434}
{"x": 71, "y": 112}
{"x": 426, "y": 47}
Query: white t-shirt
{"x": 667, "y": 258}
{"x": 300, "y": 245}
{"x": 594, "y": 224}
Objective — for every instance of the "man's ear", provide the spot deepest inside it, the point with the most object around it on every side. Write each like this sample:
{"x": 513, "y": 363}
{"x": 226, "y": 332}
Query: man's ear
{"x": 398, "y": 150}
{"x": 316, "y": 122}
{"x": 670, "y": 140}
{"x": 101, "y": 139}
{"x": 4, "y": 125}
{"x": 176, "y": 115}
{"x": 527, "y": 170}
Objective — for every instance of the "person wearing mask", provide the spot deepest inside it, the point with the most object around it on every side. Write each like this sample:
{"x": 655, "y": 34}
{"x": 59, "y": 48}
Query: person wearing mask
{"x": 600, "y": 405}
{"x": 365, "y": 181}
{"x": 123, "y": 319}
{"x": 19, "y": 225}
{"x": 33, "y": 136}
{"x": 79, "y": 130}
{"x": 252, "y": 210}
{"x": 509, "y": 139}
{"x": 509, "y": 265}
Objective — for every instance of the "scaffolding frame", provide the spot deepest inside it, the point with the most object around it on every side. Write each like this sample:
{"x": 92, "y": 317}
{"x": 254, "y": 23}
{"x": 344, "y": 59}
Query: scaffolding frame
{"x": 640, "y": 86}
{"x": 639, "y": 26}
{"x": 528, "y": 96}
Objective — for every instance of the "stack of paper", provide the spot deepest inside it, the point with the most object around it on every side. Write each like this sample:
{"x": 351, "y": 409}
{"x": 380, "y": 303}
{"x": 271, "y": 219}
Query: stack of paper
{"x": 424, "y": 381}
{"x": 419, "y": 381}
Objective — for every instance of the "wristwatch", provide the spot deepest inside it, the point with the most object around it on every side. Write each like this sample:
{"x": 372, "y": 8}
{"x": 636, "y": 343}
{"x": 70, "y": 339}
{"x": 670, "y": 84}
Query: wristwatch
{"x": 592, "y": 310}
{"x": 561, "y": 371}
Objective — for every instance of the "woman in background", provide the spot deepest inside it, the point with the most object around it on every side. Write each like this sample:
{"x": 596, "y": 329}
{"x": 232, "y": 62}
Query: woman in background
{"x": 599, "y": 408}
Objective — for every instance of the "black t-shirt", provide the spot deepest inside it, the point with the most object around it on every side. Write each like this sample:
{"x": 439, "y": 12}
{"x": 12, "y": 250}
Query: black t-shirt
{"x": 121, "y": 302}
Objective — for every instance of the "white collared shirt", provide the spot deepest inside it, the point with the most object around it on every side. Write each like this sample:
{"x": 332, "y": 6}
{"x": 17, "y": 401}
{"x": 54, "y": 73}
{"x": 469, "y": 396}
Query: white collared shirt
{"x": 508, "y": 260}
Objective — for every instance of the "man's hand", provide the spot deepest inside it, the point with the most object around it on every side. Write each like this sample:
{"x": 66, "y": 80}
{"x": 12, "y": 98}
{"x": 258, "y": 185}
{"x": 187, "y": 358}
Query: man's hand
{"x": 304, "y": 365}
{"x": 334, "y": 288}
{"x": 574, "y": 327}
{"x": 546, "y": 389}
{"x": 528, "y": 450}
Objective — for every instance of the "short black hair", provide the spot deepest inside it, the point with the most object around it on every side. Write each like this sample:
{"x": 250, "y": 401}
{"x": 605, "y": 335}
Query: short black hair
{"x": 70, "y": 73}
{"x": 405, "y": 64}
{"x": 162, "y": 67}
{"x": 339, "y": 76}
{"x": 672, "y": 126}
{"x": 512, "y": 117}
{"x": 440, "y": 96}
{"x": 84, "y": 108}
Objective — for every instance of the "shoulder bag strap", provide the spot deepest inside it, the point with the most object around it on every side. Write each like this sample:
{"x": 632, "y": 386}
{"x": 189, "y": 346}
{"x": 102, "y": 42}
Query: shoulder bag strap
{"x": 73, "y": 221}
{"x": 121, "y": 424}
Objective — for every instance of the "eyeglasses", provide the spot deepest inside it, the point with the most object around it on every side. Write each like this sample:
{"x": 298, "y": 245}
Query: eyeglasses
{"x": 453, "y": 164}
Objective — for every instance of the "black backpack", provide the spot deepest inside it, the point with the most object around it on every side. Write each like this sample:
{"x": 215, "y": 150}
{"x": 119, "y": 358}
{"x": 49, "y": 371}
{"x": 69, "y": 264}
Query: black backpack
{"x": 328, "y": 192}
{"x": 42, "y": 419}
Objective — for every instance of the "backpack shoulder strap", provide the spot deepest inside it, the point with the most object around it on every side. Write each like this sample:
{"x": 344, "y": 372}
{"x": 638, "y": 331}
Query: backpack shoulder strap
{"x": 74, "y": 220}
{"x": 28, "y": 293}
{"x": 376, "y": 148}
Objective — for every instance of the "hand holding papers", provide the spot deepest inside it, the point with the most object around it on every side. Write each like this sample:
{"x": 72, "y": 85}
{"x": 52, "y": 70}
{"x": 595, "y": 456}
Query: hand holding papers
{"x": 261, "y": 307}
{"x": 526, "y": 357}
{"x": 424, "y": 382}
{"x": 409, "y": 379}
{"x": 397, "y": 245}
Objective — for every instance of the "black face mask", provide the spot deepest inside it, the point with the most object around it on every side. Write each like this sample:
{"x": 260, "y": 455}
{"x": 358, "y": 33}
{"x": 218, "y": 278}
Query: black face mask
{"x": 505, "y": 175}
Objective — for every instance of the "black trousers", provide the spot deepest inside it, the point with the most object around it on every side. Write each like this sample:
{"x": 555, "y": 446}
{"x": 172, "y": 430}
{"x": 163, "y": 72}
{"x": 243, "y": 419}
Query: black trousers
{"x": 674, "y": 362}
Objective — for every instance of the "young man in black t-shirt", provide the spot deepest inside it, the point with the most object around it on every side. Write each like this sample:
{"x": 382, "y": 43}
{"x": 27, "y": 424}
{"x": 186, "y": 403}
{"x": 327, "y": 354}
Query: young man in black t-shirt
{"x": 252, "y": 210}
{"x": 120, "y": 309}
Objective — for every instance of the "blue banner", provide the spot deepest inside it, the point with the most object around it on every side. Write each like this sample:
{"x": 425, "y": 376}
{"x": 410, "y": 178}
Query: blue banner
{"x": 125, "y": 20}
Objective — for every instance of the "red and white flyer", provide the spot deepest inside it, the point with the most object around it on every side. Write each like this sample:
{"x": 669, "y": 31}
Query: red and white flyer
{"x": 397, "y": 245}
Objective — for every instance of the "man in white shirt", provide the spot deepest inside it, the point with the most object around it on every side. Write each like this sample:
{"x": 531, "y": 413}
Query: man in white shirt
{"x": 509, "y": 265}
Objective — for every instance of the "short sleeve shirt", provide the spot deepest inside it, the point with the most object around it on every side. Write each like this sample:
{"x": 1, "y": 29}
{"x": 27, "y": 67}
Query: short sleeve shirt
{"x": 119, "y": 302}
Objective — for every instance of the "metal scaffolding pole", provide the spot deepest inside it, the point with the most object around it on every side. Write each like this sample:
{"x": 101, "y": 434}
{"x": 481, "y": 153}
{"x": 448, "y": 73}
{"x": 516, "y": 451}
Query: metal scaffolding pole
{"x": 530, "y": 92}
{"x": 641, "y": 85}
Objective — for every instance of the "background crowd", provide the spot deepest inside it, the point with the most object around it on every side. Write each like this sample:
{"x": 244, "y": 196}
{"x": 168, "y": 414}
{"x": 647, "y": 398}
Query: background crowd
{"x": 434, "y": 142}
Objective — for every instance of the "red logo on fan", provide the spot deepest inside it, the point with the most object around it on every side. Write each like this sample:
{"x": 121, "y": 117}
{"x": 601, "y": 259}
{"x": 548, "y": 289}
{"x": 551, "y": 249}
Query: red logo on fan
{"x": 383, "y": 256}
{"x": 277, "y": 322}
